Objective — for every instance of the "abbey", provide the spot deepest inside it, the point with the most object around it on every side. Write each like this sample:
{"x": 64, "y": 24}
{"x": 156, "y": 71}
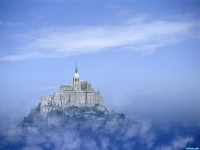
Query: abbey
{"x": 79, "y": 94}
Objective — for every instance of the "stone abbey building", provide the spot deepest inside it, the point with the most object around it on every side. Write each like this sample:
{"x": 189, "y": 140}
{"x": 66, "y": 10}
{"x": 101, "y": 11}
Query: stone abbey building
{"x": 79, "y": 94}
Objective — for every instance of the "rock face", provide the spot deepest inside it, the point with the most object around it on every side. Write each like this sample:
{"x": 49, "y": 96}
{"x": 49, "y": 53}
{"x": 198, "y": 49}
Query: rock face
{"x": 70, "y": 117}
{"x": 80, "y": 94}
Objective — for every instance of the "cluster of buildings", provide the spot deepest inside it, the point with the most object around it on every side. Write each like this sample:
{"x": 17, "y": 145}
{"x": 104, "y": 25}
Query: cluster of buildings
{"x": 78, "y": 94}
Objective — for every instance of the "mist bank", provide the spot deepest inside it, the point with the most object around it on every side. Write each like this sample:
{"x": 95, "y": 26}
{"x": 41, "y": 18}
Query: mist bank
{"x": 171, "y": 105}
{"x": 89, "y": 128}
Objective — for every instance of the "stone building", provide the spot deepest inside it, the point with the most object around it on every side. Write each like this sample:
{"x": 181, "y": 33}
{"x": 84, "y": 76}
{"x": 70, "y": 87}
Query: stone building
{"x": 79, "y": 94}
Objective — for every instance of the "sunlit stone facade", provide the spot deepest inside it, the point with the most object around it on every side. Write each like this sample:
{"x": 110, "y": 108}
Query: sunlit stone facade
{"x": 79, "y": 94}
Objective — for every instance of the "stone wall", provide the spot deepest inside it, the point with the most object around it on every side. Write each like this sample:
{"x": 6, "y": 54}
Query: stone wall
{"x": 67, "y": 96}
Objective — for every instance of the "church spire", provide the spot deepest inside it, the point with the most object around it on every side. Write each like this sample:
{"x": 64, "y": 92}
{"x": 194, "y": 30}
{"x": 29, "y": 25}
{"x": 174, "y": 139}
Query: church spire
{"x": 76, "y": 67}
{"x": 76, "y": 79}
{"x": 76, "y": 75}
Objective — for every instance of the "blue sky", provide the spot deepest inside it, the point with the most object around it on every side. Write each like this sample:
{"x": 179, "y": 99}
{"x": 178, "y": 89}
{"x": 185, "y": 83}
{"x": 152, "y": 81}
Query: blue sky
{"x": 142, "y": 55}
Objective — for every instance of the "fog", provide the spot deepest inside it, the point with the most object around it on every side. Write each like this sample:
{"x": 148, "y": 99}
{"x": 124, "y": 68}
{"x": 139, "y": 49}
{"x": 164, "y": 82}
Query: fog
{"x": 92, "y": 134}
{"x": 171, "y": 105}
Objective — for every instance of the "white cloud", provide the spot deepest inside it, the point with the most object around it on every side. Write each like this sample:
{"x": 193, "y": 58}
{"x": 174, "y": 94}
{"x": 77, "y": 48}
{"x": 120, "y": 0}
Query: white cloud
{"x": 9, "y": 23}
{"x": 178, "y": 143}
{"x": 137, "y": 35}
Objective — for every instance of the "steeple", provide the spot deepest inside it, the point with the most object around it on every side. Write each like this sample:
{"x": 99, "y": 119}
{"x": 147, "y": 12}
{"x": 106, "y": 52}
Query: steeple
{"x": 76, "y": 67}
{"x": 76, "y": 75}
{"x": 76, "y": 79}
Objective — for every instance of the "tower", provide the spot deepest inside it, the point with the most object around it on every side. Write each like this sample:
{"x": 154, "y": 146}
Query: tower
{"x": 76, "y": 79}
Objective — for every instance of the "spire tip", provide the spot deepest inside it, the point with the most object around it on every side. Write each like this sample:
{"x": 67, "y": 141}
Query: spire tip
{"x": 76, "y": 67}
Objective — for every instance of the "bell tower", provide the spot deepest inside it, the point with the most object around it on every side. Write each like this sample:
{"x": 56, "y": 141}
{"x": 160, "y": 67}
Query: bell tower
{"x": 76, "y": 79}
